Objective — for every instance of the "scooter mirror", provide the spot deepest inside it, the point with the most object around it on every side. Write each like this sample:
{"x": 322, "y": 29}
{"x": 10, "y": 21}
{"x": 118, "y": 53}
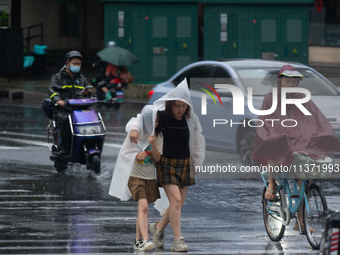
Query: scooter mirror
{"x": 86, "y": 88}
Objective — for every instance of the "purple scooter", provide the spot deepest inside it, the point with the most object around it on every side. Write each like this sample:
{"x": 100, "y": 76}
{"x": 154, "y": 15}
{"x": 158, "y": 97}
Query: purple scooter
{"x": 88, "y": 134}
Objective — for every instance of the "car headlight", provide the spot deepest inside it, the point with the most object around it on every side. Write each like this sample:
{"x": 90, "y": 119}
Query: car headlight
{"x": 90, "y": 130}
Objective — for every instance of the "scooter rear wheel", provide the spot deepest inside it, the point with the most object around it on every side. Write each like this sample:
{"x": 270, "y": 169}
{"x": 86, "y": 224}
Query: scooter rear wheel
{"x": 116, "y": 106}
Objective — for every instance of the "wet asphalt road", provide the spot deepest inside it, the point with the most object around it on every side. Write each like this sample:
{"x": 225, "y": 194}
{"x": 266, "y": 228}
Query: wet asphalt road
{"x": 42, "y": 212}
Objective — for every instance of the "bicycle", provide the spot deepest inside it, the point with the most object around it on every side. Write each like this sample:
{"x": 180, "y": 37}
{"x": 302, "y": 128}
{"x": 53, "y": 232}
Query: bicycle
{"x": 277, "y": 214}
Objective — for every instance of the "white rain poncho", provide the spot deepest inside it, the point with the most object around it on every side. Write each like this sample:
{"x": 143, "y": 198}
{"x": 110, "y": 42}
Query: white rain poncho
{"x": 127, "y": 155}
{"x": 196, "y": 140}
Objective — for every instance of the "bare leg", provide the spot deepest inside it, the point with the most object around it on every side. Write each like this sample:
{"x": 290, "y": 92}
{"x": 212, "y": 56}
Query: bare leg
{"x": 270, "y": 193}
{"x": 176, "y": 198}
{"x": 142, "y": 219}
{"x": 165, "y": 220}
{"x": 138, "y": 233}
{"x": 300, "y": 213}
{"x": 104, "y": 89}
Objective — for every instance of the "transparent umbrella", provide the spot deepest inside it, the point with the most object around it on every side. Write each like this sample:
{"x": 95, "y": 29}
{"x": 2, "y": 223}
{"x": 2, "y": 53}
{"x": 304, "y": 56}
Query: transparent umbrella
{"x": 117, "y": 56}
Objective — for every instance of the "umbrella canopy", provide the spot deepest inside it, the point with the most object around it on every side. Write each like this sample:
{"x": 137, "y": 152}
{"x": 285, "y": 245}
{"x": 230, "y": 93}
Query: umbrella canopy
{"x": 117, "y": 56}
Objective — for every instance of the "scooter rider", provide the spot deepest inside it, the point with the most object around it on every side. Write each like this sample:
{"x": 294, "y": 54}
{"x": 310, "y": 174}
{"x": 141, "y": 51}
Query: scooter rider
{"x": 72, "y": 85}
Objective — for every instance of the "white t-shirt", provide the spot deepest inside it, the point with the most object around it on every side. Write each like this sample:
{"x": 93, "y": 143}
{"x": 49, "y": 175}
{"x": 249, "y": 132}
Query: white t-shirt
{"x": 146, "y": 169}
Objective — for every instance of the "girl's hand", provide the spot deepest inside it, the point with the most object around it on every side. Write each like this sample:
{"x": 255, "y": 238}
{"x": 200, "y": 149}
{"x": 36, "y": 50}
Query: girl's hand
{"x": 152, "y": 139}
{"x": 134, "y": 136}
{"x": 141, "y": 156}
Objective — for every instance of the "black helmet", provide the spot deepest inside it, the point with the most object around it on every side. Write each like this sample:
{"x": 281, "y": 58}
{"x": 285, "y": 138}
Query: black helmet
{"x": 110, "y": 44}
{"x": 73, "y": 54}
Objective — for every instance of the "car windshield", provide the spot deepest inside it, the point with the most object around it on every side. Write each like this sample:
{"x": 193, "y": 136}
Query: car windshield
{"x": 262, "y": 80}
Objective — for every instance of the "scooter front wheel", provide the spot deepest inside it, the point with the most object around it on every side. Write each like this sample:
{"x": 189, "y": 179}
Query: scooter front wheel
{"x": 60, "y": 165}
{"x": 96, "y": 163}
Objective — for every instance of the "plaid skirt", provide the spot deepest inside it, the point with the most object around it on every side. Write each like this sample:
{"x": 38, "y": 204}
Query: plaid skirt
{"x": 174, "y": 171}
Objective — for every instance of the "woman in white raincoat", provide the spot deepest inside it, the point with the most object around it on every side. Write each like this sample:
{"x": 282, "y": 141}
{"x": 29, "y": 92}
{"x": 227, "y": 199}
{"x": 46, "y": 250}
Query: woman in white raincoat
{"x": 183, "y": 149}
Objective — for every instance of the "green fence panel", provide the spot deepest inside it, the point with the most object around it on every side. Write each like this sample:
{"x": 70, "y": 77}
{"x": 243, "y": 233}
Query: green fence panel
{"x": 277, "y": 32}
{"x": 162, "y": 36}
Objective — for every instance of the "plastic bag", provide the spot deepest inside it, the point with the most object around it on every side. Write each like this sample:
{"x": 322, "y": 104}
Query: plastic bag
{"x": 308, "y": 168}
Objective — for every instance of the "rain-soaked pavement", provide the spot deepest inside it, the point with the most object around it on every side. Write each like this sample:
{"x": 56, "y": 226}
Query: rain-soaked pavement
{"x": 43, "y": 212}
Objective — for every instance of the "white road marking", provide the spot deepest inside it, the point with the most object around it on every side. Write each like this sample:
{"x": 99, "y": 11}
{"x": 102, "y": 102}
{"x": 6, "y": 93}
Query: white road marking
{"x": 10, "y": 148}
{"x": 14, "y": 190}
{"x": 30, "y": 142}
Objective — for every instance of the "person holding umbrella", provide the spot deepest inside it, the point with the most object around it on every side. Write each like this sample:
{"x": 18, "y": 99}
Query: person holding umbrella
{"x": 101, "y": 66}
{"x": 117, "y": 59}
{"x": 119, "y": 79}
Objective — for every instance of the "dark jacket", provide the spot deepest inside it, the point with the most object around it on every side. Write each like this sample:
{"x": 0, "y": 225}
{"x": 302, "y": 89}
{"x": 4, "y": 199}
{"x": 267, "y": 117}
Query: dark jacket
{"x": 70, "y": 86}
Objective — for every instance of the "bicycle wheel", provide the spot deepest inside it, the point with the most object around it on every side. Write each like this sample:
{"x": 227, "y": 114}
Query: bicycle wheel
{"x": 313, "y": 220}
{"x": 273, "y": 222}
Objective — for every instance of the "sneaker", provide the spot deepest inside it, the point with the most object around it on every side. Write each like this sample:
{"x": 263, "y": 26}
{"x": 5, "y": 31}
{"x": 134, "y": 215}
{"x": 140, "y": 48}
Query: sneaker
{"x": 158, "y": 235}
{"x": 179, "y": 245}
{"x": 138, "y": 244}
{"x": 147, "y": 245}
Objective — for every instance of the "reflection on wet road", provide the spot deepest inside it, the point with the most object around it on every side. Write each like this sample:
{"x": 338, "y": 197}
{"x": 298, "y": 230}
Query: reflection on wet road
{"x": 43, "y": 212}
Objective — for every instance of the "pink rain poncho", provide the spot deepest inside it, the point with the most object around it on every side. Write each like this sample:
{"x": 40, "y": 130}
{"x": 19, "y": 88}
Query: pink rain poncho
{"x": 313, "y": 134}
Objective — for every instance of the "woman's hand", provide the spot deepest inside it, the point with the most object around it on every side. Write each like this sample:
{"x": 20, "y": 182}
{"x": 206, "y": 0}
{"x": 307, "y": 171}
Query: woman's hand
{"x": 152, "y": 140}
{"x": 155, "y": 152}
{"x": 134, "y": 136}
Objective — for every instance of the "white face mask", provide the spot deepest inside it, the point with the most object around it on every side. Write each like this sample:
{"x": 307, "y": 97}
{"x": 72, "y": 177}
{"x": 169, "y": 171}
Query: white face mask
{"x": 74, "y": 69}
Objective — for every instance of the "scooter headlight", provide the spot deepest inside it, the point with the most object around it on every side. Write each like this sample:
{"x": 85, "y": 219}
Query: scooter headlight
{"x": 90, "y": 130}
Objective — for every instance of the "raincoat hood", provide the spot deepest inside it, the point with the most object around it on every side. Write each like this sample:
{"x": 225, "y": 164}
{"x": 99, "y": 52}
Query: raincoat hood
{"x": 288, "y": 71}
{"x": 181, "y": 93}
{"x": 147, "y": 121}
{"x": 312, "y": 134}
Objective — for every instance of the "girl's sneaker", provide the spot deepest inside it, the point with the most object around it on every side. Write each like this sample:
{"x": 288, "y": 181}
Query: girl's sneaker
{"x": 138, "y": 244}
{"x": 147, "y": 245}
{"x": 158, "y": 235}
{"x": 179, "y": 245}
